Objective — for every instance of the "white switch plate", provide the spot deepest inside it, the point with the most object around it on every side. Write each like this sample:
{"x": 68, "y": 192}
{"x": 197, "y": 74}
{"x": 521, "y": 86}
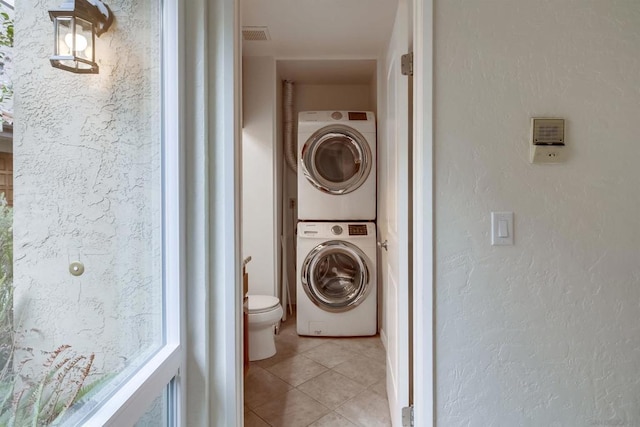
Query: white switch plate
{"x": 498, "y": 222}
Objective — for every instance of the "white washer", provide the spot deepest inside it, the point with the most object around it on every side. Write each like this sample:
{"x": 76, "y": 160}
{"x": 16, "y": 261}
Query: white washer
{"x": 336, "y": 285}
{"x": 336, "y": 165}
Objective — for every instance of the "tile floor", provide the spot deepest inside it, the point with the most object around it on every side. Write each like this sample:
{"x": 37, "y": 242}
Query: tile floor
{"x": 318, "y": 382}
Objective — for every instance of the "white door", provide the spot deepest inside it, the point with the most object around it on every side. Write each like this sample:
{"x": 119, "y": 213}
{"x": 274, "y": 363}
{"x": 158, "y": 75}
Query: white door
{"x": 393, "y": 220}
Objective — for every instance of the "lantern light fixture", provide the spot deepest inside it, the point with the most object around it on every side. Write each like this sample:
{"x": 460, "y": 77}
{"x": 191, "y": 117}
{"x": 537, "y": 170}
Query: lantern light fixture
{"x": 76, "y": 24}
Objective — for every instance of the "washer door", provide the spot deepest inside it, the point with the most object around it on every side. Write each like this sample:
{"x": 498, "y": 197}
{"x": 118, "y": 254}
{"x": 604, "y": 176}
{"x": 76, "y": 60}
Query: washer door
{"x": 335, "y": 276}
{"x": 336, "y": 159}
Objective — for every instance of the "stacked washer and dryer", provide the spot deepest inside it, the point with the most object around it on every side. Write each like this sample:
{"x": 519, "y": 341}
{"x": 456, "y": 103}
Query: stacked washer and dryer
{"x": 336, "y": 244}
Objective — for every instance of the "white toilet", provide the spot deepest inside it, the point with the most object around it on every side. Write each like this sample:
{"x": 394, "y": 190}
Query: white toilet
{"x": 265, "y": 312}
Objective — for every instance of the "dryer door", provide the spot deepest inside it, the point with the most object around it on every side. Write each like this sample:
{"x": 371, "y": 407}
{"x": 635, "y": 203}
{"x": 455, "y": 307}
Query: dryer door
{"x": 335, "y": 276}
{"x": 336, "y": 159}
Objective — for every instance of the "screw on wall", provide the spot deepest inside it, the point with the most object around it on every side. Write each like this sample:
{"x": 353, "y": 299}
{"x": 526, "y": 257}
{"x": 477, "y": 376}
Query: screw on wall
{"x": 76, "y": 268}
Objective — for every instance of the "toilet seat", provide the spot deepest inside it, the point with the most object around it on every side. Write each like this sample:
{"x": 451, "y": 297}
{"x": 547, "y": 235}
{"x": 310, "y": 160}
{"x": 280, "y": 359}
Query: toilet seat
{"x": 262, "y": 303}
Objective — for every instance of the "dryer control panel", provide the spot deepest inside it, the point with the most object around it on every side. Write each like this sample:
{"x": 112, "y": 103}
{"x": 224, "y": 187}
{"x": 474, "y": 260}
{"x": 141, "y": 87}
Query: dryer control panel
{"x": 363, "y": 120}
{"x": 357, "y": 115}
{"x": 357, "y": 229}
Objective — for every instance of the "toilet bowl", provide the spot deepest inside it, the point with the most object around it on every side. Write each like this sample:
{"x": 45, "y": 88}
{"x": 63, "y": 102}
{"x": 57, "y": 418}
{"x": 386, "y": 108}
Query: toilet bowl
{"x": 265, "y": 312}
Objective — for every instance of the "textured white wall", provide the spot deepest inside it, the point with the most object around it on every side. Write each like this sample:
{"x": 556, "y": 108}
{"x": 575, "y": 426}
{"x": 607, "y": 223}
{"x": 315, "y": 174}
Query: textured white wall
{"x": 87, "y": 187}
{"x": 259, "y": 231}
{"x": 309, "y": 97}
{"x": 546, "y": 332}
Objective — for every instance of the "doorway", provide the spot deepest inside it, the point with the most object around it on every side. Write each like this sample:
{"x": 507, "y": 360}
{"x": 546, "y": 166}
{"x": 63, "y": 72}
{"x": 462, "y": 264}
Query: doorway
{"x": 422, "y": 196}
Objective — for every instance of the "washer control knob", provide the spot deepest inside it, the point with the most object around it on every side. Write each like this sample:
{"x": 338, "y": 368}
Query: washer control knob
{"x": 336, "y": 115}
{"x": 336, "y": 229}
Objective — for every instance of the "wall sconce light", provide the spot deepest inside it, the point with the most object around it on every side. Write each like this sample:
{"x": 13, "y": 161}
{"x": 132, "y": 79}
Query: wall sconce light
{"x": 76, "y": 24}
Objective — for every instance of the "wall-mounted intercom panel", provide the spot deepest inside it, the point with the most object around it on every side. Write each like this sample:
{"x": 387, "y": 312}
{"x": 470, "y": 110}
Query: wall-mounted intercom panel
{"x": 547, "y": 140}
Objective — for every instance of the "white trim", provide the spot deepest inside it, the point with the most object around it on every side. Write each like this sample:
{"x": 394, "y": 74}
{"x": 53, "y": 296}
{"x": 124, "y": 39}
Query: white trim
{"x": 173, "y": 175}
{"x": 132, "y": 401}
{"x": 225, "y": 305}
{"x": 237, "y": 285}
{"x": 198, "y": 262}
{"x": 423, "y": 306}
{"x": 174, "y": 194}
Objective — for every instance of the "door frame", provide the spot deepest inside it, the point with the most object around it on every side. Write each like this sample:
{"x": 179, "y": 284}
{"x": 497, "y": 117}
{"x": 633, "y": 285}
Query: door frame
{"x": 423, "y": 221}
{"x": 214, "y": 359}
{"x": 225, "y": 312}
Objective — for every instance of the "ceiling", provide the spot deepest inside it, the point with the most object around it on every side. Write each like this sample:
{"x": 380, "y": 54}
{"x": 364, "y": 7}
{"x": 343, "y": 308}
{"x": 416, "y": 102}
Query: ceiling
{"x": 313, "y": 29}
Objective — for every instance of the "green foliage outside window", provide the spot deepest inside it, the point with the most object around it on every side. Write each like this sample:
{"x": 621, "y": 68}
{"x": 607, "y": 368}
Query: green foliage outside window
{"x": 6, "y": 39}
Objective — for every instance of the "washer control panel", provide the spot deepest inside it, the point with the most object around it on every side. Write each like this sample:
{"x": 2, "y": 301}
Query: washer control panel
{"x": 336, "y": 230}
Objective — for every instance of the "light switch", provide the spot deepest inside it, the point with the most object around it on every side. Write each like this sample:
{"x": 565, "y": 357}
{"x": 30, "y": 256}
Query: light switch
{"x": 501, "y": 228}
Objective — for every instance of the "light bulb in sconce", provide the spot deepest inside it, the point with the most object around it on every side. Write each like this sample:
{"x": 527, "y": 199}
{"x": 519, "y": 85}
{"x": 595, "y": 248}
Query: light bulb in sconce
{"x": 81, "y": 42}
{"x": 76, "y": 24}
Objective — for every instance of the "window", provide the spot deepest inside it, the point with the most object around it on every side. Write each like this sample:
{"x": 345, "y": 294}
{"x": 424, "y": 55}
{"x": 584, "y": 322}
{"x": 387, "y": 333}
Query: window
{"x": 96, "y": 292}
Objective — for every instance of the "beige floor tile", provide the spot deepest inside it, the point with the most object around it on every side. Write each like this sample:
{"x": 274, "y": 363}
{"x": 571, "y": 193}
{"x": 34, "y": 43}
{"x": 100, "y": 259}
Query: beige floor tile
{"x": 288, "y": 344}
{"x": 253, "y": 420}
{"x": 289, "y": 327}
{"x": 297, "y": 370}
{"x": 379, "y": 354}
{"x": 367, "y": 409}
{"x": 380, "y": 388}
{"x": 284, "y": 351}
{"x": 299, "y": 343}
{"x": 363, "y": 370}
{"x": 356, "y": 382}
{"x": 261, "y": 386}
{"x": 330, "y": 354}
{"x": 331, "y": 389}
{"x": 293, "y": 409}
{"x": 333, "y": 420}
{"x": 367, "y": 346}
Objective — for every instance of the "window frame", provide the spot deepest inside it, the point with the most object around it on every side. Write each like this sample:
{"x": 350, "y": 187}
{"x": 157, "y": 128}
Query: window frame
{"x": 133, "y": 398}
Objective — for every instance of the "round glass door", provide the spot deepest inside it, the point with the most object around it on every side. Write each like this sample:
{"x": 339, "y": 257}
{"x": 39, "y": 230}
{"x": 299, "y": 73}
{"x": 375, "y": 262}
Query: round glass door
{"x": 336, "y": 159}
{"x": 335, "y": 276}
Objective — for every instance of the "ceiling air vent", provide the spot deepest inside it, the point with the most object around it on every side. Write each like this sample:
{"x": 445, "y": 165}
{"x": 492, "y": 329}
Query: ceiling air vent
{"x": 253, "y": 34}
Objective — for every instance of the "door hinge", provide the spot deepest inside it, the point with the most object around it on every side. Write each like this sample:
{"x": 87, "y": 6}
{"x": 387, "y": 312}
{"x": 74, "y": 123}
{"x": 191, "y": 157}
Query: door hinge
{"x": 407, "y": 64}
{"x": 407, "y": 416}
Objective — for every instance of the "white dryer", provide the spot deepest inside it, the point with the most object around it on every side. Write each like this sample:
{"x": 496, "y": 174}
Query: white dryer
{"x": 337, "y": 165}
{"x": 336, "y": 285}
